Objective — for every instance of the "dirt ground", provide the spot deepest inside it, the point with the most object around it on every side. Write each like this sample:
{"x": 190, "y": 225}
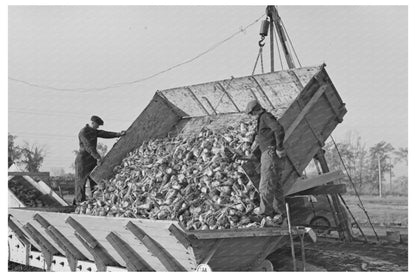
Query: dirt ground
{"x": 335, "y": 255}
{"x": 330, "y": 254}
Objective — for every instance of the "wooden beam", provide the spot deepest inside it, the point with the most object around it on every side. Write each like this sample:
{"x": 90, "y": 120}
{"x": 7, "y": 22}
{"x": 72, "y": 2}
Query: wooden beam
{"x": 193, "y": 96}
{"x": 229, "y": 96}
{"x": 19, "y": 233}
{"x": 325, "y": 189}
{"x": 31, "y": 174}
{"x": 47, "y": 249}
{"x": 155, "y": 248}
{"x": 72, "y": 253}
{"x": 45, "y": 189}
{"x": 238, "y": 233}
{"x": 210, "y": 105}
{"x": 134, "y": 262}
{"x": 179, "y": 235}
{"x": 305, "y": 110}
{"x": 304, "y": 184}
{"x": 263, "y": 93}
{"x": 101, "y": 256}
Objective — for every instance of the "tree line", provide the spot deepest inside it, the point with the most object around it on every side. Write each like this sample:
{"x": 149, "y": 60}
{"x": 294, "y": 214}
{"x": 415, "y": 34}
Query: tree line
{"x": 366, "y": 164}
{"x": 30, "y": 156}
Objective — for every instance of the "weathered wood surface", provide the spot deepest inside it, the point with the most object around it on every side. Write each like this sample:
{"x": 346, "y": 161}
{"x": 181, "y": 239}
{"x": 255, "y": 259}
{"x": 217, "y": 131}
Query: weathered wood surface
{"x": 275, "y": 91}
{"x": 154, "y": 247}
{"x": 155, "y": 121}
{"x": 101, "y": 227}
{"x": 312, "y": 182}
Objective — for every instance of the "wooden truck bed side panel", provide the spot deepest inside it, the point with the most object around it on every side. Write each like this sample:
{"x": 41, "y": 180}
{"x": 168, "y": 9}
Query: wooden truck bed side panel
{"x": 155, "y": 121}
{"x": 304, "y": 100}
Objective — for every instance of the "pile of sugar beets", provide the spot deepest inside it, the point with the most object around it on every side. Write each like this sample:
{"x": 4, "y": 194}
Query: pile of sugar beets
{"x": 194, "y": 179}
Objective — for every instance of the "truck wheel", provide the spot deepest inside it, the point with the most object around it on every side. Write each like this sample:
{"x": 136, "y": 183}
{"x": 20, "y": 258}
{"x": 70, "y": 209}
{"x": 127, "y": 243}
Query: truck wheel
{"x": 321, "y": 221}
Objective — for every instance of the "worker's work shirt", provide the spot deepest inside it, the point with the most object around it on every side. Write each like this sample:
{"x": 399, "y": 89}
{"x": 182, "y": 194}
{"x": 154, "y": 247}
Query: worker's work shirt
{"x": 268, "y": 131}
{"x": 88, "y": 140}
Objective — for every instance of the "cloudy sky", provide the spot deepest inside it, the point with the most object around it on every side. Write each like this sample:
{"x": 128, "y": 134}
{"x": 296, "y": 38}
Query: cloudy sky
{"x": 72, "y": 47}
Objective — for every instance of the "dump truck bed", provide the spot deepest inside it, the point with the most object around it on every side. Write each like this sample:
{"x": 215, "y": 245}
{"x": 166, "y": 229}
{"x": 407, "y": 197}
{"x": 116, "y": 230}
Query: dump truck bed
{"x": 304, "y": 100}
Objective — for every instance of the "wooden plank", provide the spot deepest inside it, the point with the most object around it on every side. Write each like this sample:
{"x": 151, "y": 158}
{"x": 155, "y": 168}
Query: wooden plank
{"x": 229, "y": 96}
{"x": 52, "y": 193}
{"x": 263, "y": 93}
{"x": 45, "y": 189}
{"x": 179, "y": 235}
{"x": 42, "y": 175}
{"x": 47, "y": 249}
{"x": 193, "y": 96}
{"x": 304, "y": 184}
{"x": 71, "y": 252}
{"x": 100, "y": 254}
{"x": 305, "y": 110}
{"x": 13, "y": 201}
{"x": 134, "y": 262}
{"x": 62, "y": 241}
{"x": 155, "y": 248}
{"x": 156, "y": 120}
{"x": 326, "y": 189}
{"x": 19, "y": 233}
{"x": 238, "y": 233}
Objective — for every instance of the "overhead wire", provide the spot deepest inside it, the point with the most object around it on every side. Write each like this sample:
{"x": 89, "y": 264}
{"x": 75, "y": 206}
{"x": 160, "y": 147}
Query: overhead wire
{"x": 278, "y": 47}
{"x": 72, "y": 115}
{"x": 291, "y": 44}
{"x": 121, "y": 84}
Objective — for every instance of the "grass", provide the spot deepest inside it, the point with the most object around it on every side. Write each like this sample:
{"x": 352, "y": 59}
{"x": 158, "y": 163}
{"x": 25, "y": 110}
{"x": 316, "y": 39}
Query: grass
{"x": 384, "y": 211}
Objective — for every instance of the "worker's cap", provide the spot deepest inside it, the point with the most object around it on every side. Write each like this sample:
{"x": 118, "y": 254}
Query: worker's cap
{"x": 97, "y": 120}
{"x": 252, "y": 105}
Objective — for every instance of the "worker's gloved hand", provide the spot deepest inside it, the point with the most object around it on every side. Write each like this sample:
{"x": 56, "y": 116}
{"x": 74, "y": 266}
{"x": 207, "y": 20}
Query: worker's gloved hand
{"x": 281, "y": 153}
{"x": 122, "y": 133}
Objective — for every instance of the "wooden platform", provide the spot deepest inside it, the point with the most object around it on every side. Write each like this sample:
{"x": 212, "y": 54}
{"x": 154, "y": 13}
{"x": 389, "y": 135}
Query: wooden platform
{"x": 139, "y": 244}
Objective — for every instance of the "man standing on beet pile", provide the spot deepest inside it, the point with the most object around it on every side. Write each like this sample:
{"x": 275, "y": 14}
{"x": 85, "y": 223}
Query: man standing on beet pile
{"x": 88, "y": 157}
{"x": 269, "y": 138}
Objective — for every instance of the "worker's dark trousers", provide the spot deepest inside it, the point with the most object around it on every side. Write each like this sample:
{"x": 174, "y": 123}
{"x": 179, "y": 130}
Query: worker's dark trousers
{"x": 84, "y": 164}
{"x": 272, "y": 200}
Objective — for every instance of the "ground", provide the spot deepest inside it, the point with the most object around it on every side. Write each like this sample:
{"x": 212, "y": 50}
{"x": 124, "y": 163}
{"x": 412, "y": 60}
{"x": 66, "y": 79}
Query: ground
{"x": 331, "y": 254}
{"x": 335, "y": 255}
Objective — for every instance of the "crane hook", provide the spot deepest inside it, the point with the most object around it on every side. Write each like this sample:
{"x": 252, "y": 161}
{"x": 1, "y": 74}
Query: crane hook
{"x": 261, "y": 43}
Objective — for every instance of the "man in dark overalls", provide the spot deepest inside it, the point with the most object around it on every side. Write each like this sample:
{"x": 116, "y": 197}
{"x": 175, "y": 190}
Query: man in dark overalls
{"x": 88, "y": 157}
{"x": 269, "y": 138}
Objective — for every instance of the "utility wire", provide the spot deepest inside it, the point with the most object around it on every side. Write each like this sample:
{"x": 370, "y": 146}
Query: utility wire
{"x": 116, "y": 85}
{"x": 278, "y": 48}
{"x": 290, "y": 41}
{"x": 58, "y": 114}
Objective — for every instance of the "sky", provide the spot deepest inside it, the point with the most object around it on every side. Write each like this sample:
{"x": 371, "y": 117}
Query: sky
{"x": 365, "y": 49}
